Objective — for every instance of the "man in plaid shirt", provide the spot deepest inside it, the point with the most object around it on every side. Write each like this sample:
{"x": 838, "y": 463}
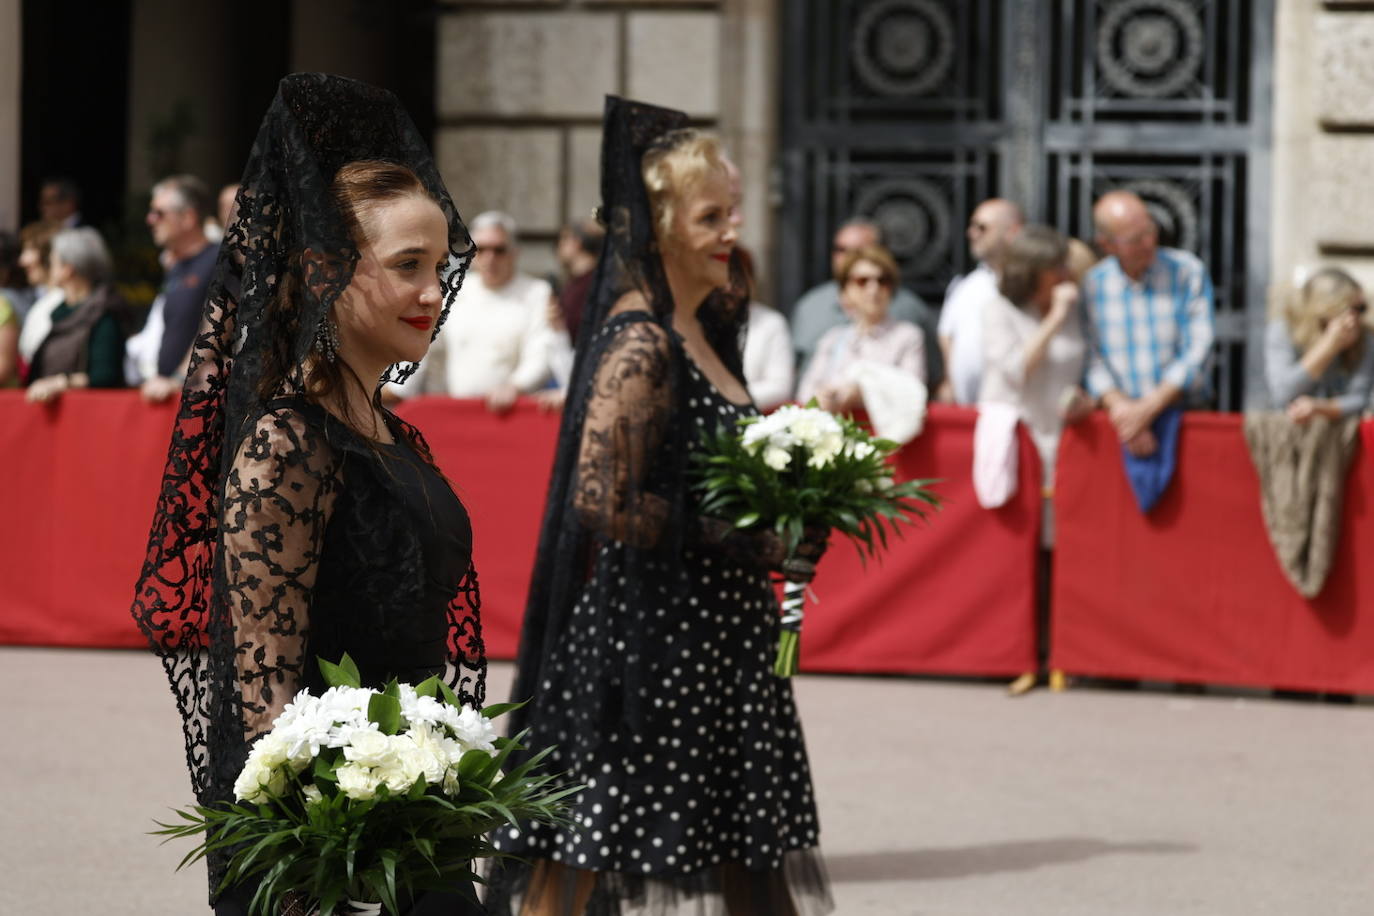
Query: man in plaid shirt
{"x": 1150, "y": 316}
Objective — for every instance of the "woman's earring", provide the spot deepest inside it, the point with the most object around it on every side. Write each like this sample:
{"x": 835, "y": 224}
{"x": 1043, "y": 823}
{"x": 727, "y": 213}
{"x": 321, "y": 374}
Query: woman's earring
{"x": 327, "y": 339}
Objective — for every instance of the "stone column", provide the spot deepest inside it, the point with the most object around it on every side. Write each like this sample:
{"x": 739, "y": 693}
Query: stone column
{"x": 1323, "y": 193}
{"x": 11, "y": 99}
{"x": 521, "y": 87}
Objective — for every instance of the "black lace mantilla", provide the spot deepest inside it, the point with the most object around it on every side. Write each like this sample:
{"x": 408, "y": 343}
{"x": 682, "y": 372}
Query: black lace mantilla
{"x": 274, "y": 520}
{"x": 628, "y": 580}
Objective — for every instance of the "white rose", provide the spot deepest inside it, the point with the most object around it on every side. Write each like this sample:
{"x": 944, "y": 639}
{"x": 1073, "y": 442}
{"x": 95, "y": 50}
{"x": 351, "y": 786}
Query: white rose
{"x": 474, "y": 730}
{"x": 403, "y": 766}
{"x": 806, "y": 430}
{"x": 357, "y": 781}
{"x": 861, "y": 449}
{"x": 369, "y": 748}
{"x": 777, "y": 458}
{"x": 270, "y": 750}
{"x": 253, "y": 782}
{"x": 433, "y": 757}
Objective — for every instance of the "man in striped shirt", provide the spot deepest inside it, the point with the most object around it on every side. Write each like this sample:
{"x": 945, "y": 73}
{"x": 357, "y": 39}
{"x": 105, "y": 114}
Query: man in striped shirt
{"x": 1150, "y": 315}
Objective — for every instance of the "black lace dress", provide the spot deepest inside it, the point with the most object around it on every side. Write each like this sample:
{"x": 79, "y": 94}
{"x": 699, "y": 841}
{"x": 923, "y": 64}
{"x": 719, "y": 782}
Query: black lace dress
{"x": 707, "y": 789}
{"x": 336, "y": 544}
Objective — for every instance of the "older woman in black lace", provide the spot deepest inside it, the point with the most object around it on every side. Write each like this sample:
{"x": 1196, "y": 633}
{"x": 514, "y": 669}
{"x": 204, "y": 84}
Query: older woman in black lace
{"x": 649, "y": 634}
{"x": 85, "y": 346}
{"x": 332, "y": 531}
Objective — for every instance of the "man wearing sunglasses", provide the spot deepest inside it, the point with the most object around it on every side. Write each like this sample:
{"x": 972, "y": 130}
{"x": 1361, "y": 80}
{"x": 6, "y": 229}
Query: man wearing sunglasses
{"x": 497, "y": 343}
{"x": 155, "y": 358}
{"x": 994, "y": 223}
{"x": 819, "y": 309}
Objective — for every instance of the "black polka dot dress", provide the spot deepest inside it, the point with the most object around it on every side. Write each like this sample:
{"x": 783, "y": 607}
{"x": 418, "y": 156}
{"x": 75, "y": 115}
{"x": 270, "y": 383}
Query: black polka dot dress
{"x": 716, "y": 778}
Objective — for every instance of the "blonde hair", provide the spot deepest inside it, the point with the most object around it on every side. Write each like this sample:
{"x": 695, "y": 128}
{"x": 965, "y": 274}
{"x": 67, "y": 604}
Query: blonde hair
{"x": 675, "y": 169}
{"x": 1081, "y": 258}
{"x": 1324, "y": 297}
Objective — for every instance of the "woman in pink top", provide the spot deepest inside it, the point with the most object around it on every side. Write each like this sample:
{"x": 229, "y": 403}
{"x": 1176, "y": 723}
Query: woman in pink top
{"x": 867, "y": 278}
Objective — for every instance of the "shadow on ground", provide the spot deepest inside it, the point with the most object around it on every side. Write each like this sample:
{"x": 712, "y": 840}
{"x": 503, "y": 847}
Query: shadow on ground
{"x": 963, "y": 861}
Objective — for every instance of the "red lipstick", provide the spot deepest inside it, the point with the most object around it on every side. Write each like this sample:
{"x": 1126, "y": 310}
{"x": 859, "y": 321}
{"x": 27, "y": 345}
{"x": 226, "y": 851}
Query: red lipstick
{"x": 420, "y": 322}
{"x": 723, "y": 258}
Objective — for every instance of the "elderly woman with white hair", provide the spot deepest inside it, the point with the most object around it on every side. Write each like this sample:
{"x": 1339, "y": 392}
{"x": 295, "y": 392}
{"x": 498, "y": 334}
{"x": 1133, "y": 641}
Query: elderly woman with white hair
{"x": 85, "y": 346}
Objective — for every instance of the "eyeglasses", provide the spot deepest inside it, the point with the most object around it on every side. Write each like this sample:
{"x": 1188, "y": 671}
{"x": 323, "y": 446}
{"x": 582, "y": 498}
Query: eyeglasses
{"x": 156, "y": 214}
{"x": 497, "y": 250}
{"x": 883, "y": 282}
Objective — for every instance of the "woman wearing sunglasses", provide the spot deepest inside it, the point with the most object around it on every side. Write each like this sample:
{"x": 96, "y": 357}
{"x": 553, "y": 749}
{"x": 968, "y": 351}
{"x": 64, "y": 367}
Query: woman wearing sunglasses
{"x": 1319, "y": 360}
{"x": 867, "y": 277}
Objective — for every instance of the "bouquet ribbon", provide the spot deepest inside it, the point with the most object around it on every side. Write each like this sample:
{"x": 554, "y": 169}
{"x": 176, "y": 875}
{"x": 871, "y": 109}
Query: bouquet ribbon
{"x": 793, "y": 611}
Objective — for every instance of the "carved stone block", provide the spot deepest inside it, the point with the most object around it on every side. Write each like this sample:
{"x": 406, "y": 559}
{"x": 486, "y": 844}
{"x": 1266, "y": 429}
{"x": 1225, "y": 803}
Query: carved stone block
{"x": 516, "y": 169}
{"x": 1342, "y": 197}
{"x": 1345, "y": 62}
{"x": 584, "y": 171}
{"x": 674, "y": 60}
{"x": 554, "y": 64}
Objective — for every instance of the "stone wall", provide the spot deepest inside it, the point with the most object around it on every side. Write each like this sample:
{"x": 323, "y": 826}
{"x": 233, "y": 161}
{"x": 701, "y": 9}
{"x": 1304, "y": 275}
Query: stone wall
{"x": 521, "y": 85}
{"x": 1323, "y": 177}
{"x": 11, "y": 101}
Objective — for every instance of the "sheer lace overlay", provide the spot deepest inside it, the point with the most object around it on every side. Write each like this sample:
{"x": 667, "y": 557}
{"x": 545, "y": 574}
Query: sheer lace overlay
{"x": 648, "y": 632}
{"x": 625, "y": 426}
{"x": 280, "y": 536}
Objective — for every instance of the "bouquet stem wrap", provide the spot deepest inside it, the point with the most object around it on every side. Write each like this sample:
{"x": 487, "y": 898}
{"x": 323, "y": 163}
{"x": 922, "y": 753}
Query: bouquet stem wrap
{"x": 355, "y": 908}
{"x": 799, "y": 471}
{"x": 789, "y": 637}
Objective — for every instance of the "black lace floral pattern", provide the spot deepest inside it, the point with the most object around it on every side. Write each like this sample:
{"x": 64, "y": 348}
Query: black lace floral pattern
{"x": 277, "y": 530}
{"x": 631, "y": 647}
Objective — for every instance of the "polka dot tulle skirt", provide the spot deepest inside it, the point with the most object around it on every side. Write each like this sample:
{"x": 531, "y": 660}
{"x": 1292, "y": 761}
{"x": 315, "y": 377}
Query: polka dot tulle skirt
{"x": 706, "y": 805}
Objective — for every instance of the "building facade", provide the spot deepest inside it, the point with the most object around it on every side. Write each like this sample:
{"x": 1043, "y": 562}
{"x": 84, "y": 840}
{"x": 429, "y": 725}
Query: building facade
{"x": 1247, "y": 125}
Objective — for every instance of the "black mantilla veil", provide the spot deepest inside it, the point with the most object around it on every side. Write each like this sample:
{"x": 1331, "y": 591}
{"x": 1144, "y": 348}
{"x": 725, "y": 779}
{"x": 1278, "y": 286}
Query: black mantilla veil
{"x": 620, "y": 514}
{"x": 316, "y": 124}
{"x": 648, "y": 512}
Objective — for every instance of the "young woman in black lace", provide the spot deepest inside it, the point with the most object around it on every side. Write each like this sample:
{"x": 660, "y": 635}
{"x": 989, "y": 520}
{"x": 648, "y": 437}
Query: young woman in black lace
{"x": 650, "y": 630}
{"x": 299, "y": 519}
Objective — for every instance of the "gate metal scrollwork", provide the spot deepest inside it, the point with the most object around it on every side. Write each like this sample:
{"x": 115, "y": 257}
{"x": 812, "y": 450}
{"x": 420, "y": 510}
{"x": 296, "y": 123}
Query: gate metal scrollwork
{"x": 911, "y": 111}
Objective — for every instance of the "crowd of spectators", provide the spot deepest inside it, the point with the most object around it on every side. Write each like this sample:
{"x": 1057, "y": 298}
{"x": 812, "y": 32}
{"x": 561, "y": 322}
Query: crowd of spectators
{"x": 1141, "y": 318}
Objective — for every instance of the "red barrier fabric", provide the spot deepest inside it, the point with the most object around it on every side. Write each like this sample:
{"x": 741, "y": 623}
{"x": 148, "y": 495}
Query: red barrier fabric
{"x": 1193, "y": 592}
{"x": 81, "y": 478}
{"x": 953, "y": 596}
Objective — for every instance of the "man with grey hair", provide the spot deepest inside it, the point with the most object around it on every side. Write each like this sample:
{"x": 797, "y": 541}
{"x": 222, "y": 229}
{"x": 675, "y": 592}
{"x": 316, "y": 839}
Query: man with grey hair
{"x": 991, "y": 227}
{"x": 156, "y": 357}
{"x": 818, "y": 310}
{"x": 497, "y": 342}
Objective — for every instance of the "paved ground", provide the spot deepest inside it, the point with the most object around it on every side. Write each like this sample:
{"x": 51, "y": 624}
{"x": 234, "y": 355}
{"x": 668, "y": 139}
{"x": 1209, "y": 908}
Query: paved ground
{"x": 937, "y": 799}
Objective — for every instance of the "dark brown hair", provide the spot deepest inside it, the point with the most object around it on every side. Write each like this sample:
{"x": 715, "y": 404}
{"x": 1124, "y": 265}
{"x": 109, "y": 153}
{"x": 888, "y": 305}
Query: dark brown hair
{"x": 38, "y": 235}
{"x": 357, "y": 187}
{"x": 874, "y": 254}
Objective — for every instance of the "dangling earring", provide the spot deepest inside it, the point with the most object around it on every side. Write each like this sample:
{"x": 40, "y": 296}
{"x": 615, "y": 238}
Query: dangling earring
{"x": 327, "y": 339}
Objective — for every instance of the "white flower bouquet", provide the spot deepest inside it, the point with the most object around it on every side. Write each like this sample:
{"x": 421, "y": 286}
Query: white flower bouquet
{"x": 803, "y": 468}
{"x": 361, "y": 796}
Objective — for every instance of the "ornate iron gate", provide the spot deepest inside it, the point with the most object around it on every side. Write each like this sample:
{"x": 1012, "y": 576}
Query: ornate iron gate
{"x": 912, "y": 111}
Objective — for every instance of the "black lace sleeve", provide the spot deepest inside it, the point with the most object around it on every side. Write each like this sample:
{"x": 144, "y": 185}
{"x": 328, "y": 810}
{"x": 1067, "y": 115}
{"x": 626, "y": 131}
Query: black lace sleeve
{"x": 278, "y": 495}
{"x": 626, "y": 420}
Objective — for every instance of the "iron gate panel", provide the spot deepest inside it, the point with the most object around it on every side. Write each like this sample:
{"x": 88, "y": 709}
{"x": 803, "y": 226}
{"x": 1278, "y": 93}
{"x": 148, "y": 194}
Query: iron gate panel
{"x": 911, "y": 111}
